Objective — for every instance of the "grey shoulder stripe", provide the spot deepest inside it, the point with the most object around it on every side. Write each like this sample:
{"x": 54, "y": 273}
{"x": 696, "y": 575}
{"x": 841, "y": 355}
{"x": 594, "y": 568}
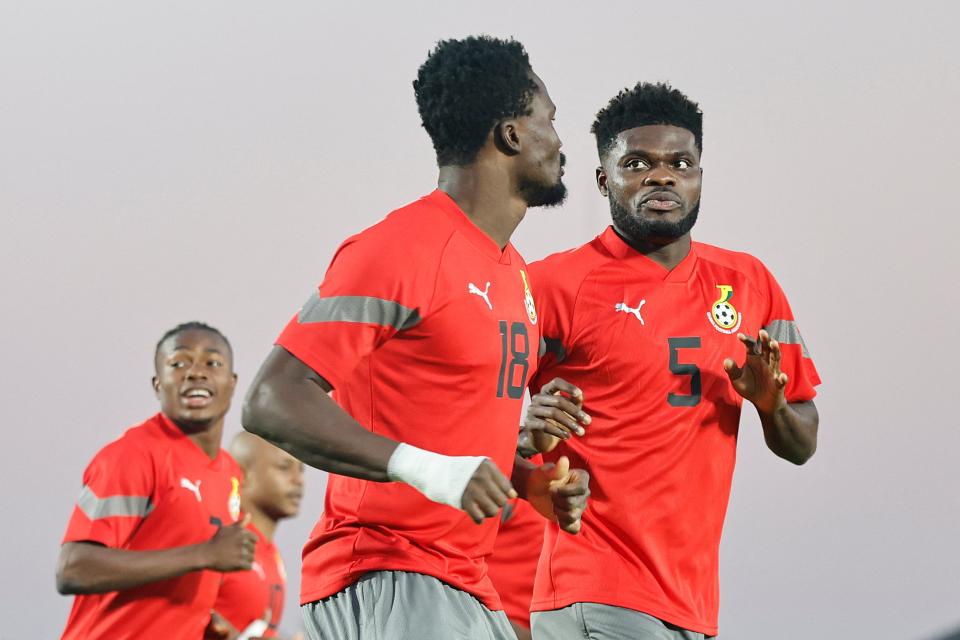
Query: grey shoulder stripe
{"x": 364, "y": 309}
{"x": 786, "y": 332}
{"x": 554, "y": 346}
{"x": 96, "y": 508}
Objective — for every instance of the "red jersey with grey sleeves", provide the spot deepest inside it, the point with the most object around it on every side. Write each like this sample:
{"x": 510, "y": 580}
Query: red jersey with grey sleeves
{"x": 647, "y": 346}
{"x": 252, "y": 601}
{"x": 152, "y": 489}
{"x": 428, "y": 333}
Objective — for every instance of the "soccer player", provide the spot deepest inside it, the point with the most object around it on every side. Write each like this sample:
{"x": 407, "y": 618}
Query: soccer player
{"x": 252, "y": 601}
{"x": 425, "y": 329}
{"x": 644, "y": 327}
{"x": 158, "y": 515}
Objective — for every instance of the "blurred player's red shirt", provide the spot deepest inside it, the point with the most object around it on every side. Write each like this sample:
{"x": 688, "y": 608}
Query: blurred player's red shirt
{"x": 152, "y": 488}
{"x": 646, "y": 346}
{"x": 255, "y": 597}
{"x": 513, "y": 564}
{"x": 428, "y": 333}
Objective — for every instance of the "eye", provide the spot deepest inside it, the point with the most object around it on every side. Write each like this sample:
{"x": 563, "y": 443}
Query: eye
{"x": 636, "y": 164}
{"x": 684, "y": 164}
{"x": 216, "y": 364}
{"x": 178, "y": 364}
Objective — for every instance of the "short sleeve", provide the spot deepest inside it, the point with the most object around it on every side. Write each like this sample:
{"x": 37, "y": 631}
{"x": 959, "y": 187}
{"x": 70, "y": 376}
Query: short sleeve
{"x": 373, "y": 290}
{"x": 796, "y": 363}
{"x": 117, "y": 493}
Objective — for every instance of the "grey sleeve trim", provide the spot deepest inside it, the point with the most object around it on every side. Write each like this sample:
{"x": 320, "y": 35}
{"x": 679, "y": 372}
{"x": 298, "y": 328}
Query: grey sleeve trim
{"x": 786, "y": 332}
{"x": 363, "y": 309}
{"x": 96, "y": 508}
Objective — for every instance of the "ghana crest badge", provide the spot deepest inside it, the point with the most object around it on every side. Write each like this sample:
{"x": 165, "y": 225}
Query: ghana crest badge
{"x": 723, "y": 316}
{"x": 528, "y": 299}
{"x": 233, "y": 503}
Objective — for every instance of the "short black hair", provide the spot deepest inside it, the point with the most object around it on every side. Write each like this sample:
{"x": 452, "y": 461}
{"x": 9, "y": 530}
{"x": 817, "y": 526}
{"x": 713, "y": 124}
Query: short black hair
{"x": 464, "y": 87}
{"x": 645, "y": 104}
{"x": 193, "y": 325}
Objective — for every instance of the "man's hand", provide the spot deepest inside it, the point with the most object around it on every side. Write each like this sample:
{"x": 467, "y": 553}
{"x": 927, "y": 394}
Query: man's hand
{"x": 759, "y": 380}
{"x": 487, "y": 491}
{"x": 555, "y": 414}
{"x": 559, "y": 493}
{"x": 231, "y": 548}
{"x": 219, "y": 629}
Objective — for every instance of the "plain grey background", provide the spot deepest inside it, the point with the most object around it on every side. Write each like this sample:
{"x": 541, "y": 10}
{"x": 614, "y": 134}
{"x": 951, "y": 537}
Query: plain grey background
{"x": 162, "y": 162}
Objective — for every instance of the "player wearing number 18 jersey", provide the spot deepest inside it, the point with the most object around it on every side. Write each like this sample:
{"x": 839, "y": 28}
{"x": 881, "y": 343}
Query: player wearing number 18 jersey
{"x": 426, "y": 330}
{"x": 642, "y": 321}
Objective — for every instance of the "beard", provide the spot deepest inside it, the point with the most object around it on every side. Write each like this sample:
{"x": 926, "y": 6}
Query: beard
{"x": 541, "y": 194}
{"x": 638, "y": 228}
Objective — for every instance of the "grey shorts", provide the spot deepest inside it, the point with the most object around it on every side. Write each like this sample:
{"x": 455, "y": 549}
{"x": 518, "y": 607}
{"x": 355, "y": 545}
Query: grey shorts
{"x": 592, "y": 621}
{"x": 399, "y": 605}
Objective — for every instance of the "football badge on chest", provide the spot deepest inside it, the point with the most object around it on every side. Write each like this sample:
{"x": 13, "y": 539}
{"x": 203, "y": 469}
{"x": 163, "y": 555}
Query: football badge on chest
{"x": 528, "y": 298}
{"x": 722, "y": 314}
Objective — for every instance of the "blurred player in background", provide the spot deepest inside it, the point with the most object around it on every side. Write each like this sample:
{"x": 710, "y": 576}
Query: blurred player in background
{"x": 425, "y": 329}
{"x": 513, "y": 565}
{"x": 252, "y": 601}
{"x": 642, "y": 325}
{"x": 158, "y": 515}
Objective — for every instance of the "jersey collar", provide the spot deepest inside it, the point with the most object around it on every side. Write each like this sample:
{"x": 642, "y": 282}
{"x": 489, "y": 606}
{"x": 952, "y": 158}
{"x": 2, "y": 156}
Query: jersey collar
{"x": 623, "y": 252}
{"x": 464, "y": 225}
{"x": 188, "y": 446}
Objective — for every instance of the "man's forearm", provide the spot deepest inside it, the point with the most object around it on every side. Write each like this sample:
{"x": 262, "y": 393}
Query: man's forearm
{"x": 521, "y": 474}
{"x": 791, "y": 431}
{"x": 86, "y": 567}
{"x": 288, "y": 406}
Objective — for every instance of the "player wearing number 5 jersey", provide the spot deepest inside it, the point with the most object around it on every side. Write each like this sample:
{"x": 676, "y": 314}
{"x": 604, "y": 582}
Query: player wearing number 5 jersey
{"x": 426, "y": 330}
{"x": 642, "y": 326}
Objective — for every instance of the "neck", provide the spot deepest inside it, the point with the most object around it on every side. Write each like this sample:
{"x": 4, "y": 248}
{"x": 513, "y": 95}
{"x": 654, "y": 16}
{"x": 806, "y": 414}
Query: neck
{"x": 258, "y": 518}
{"x": 667, "y": 252}
{"x": 485, "y": 192}
{"x": 207, "y": 436}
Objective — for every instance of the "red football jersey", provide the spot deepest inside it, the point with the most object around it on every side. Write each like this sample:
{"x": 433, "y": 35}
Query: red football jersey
{"x": 428, "y": 333}
{"x": 513, "y": 564}
{"x": 646, "y": 346}
{"x": 153, "y": 488}
{"x": 252, "y": 601}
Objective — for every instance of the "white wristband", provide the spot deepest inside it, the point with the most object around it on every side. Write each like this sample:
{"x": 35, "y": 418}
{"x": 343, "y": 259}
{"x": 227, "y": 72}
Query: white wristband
{"x": 441, "y": 478}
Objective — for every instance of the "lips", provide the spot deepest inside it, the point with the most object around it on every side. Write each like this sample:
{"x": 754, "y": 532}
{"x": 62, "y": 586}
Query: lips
{"x": 197, "y": 396}
{"x": 661, "y": 201}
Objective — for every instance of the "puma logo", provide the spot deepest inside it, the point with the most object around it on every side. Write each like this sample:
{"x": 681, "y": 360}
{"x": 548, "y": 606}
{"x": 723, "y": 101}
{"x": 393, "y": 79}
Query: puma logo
{"x": 195, "y": 488}
{"x": 475, "y": 290}
{"x": 622, "y": 306}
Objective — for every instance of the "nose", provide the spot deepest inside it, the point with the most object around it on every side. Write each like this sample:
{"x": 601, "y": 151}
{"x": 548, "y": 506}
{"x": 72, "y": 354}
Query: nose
{"x": 660, "y": 176}
{"x": 297, "y": 477}
{"x": 196, "y": 372}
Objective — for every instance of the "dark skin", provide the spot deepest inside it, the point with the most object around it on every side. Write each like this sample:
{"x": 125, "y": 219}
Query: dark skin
{"x": 272, "y": 482}
{"x": 288, "y": 403}
{"x": 654, "y": 173}
{"x": 272, "y": 490}
{"x": 194, "y": 383}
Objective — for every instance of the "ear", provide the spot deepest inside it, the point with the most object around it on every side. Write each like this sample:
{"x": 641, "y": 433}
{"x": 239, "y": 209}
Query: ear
{"x": 155, "y": 381}
{"x": 506, "y": 136}
{"x": 602, "y": 181}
